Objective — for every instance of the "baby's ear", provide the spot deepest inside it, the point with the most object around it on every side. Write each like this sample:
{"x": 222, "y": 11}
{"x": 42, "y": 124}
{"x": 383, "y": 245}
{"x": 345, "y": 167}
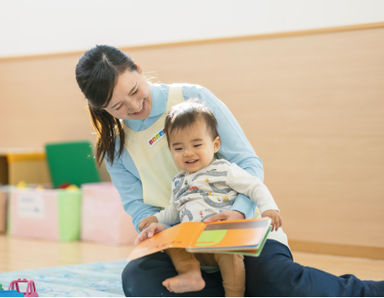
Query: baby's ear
{"x": 216, "y": 144}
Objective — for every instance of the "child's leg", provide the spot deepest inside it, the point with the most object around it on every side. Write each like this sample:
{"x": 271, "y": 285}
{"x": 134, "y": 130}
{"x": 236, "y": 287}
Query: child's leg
{"x": 233, "y": 274}
{"x": 206, "y": 259}
{"x": 189, "y": 278}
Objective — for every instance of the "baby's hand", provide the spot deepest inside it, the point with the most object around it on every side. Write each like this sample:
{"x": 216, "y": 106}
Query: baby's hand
{"x": 225, "y": 215}
{"x": 149, "y": 231}
{"x": 276, "y": 218}
{"x": 145, "y": 222}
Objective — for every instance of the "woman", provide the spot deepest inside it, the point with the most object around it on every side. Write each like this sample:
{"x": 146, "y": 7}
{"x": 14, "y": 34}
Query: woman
{"x": 128, "y": 114}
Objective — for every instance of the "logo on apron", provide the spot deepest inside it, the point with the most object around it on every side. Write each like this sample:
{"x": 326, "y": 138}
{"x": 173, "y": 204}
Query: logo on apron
{"x": 152, "y": 141}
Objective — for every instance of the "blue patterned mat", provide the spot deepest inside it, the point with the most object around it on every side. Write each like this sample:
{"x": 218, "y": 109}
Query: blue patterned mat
{"x": 95, "y": 280}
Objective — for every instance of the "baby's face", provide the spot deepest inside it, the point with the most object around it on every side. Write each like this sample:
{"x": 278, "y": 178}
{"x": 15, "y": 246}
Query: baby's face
{"x": 192, "y": 148}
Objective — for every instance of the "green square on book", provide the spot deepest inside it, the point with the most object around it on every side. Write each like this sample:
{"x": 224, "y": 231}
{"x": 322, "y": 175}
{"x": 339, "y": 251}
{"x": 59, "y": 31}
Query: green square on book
{"x": 211, "y": 237}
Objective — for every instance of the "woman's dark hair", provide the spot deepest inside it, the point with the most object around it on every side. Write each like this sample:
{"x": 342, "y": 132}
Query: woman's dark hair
{"x": 188, "y": 112}
{"x": 96, "y": 73}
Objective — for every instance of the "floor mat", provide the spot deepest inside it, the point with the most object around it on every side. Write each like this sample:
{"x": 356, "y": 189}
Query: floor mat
{"x": 94, "y": 280}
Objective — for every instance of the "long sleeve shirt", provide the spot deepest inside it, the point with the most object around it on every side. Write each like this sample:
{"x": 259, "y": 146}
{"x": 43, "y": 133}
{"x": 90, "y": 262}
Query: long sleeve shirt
{"x": 211, "y": 190}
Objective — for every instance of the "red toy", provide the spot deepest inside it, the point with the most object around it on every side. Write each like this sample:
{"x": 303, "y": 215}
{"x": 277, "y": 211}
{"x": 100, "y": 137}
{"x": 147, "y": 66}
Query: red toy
{"x": 30, "y": 290}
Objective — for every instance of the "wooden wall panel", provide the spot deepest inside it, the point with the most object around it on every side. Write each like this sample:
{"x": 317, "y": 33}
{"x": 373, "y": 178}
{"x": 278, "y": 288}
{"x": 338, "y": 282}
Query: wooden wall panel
{"x": 40, "y": 102}
{"x": 311, "y": 105}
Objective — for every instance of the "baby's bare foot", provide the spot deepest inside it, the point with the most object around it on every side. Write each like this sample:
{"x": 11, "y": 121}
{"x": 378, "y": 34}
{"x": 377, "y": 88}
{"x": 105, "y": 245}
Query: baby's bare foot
{"x": 185, "y": 282}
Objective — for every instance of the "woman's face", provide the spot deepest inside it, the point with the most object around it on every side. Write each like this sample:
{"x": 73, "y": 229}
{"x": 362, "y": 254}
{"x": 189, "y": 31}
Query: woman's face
{"x": 131, "y": 98}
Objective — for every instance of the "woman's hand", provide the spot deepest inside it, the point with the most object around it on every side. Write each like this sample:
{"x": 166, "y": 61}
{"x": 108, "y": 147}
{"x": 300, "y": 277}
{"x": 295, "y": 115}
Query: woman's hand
{"x": 145, "y": 222}
{"x": 276, "y": 218}
{"x": 148, "y": 232}
{"x": 226, "y": 215}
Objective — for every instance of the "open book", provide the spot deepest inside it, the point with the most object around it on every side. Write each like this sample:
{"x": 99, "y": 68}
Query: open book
{"x": 245, "y": 237}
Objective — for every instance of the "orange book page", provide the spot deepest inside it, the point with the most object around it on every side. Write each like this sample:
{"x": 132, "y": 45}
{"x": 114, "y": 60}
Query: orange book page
{"x": 181, "y": 236}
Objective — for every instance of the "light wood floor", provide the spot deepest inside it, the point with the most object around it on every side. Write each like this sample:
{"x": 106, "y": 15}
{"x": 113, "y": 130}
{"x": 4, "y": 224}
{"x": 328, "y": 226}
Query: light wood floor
{"x": 18, "y": 254}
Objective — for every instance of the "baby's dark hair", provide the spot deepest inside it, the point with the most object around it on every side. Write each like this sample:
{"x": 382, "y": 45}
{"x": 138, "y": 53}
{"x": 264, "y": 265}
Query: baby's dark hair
{"x": 188, "y": 112}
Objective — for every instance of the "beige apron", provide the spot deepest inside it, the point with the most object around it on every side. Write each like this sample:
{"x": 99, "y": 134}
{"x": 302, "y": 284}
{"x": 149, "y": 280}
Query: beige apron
{"x": 150, "y": 153}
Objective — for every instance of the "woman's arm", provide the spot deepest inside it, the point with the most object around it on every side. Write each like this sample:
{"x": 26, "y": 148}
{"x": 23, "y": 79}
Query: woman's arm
{"x": 235, "y": 146}
{"x": 122, "y": 173}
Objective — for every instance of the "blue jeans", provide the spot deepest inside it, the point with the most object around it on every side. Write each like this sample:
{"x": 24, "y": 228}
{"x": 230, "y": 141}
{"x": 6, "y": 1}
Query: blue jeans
{"x": 273, "y": 273}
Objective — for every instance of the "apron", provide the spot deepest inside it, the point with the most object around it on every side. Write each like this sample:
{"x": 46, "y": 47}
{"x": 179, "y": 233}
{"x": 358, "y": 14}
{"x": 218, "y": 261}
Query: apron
{"x": 152, "y": 158}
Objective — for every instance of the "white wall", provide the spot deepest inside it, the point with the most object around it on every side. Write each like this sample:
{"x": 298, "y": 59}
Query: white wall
{"x": 48, "y": 26}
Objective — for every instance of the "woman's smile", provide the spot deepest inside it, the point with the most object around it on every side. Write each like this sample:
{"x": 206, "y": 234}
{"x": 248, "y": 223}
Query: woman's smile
{"x": 132, "y": 97}
{"x": 140, "y": 110}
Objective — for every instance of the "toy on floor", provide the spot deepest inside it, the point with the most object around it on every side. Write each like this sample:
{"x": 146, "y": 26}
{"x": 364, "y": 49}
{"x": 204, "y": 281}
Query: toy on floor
{"x": 10, "y": 293}
{"x": 14, "y": 290}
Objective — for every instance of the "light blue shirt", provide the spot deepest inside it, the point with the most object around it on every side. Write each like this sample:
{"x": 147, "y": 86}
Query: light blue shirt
{"x": 235, "y": 148}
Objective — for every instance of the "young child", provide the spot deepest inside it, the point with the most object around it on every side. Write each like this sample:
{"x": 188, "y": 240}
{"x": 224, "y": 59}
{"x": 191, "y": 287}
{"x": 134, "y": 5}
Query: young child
{"x": 205, "y": 187}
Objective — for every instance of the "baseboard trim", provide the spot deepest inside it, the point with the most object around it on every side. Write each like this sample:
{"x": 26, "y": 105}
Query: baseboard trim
{"x": 358, "y": 251}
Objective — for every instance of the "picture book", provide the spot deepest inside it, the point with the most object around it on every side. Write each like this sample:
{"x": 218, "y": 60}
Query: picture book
{"x": 245, "y": 237}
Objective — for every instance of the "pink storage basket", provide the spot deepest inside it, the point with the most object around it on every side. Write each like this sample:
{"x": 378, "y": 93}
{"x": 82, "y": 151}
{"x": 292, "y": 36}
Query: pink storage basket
{"x": 49, "y": 214}
{"x": 103, "y": 217}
